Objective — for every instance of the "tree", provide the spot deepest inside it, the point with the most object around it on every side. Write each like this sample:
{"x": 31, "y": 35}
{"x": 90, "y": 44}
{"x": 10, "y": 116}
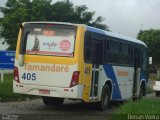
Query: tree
{"x": 152, "y": 39}
{"x": 18, "y": 11}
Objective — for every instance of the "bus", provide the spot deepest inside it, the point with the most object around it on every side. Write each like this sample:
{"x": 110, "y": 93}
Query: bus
{"x": 58, "y": 60}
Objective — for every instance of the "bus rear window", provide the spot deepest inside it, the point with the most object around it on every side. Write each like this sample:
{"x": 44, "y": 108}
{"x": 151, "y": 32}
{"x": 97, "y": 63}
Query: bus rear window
{"x": 50, "y": 39}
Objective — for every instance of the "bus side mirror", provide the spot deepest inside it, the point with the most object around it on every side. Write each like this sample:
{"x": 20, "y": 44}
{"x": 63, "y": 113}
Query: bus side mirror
{"x": 21, "y": 59}
{"x": 150, "y": 60}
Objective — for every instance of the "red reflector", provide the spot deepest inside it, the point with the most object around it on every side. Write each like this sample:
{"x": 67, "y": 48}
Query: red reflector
{"x": 16, "y": 74}
{"x": 66, "y": 90}
{"x": 20, "y": 85}
{"x": 75, "y": 78}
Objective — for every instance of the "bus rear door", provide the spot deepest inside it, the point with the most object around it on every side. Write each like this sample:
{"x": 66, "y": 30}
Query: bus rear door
{"x": 96, "y": 66}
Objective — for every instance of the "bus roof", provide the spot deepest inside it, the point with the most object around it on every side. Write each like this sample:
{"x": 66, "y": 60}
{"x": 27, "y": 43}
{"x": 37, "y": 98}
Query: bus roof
{"x": 96, "y": 30}
{"x": 61, "y": 23}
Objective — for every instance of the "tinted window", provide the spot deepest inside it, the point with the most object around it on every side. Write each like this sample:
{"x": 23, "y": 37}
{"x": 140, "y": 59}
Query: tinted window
{"x": 112, "y": 51}
{"x": 93, "y": 49}
{"x": 49, "y": 39}
{"x": 88, "y": 48}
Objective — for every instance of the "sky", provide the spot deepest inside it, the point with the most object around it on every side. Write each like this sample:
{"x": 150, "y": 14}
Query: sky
{"x": 125, "y": 17}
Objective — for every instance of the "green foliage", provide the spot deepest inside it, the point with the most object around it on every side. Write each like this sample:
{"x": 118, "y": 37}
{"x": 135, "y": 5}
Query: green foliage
{"x": 144, "y": 106}
{"x": 152, "y": 39}
{"x": 6, "y": 90}
{"x": 18, "y": 11}
{"x": 141, "y": 109}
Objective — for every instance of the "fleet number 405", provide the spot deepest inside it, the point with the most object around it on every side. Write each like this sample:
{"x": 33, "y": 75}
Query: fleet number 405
{"x": 29, "y": 76}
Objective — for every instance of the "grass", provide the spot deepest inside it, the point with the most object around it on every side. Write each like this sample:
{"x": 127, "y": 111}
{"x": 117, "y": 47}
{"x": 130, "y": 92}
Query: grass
{"x": 140, "y": 108}
{"x": 149, "y": 90}
{"x": 6, "y": 90}
{"x": 145, "y": 106}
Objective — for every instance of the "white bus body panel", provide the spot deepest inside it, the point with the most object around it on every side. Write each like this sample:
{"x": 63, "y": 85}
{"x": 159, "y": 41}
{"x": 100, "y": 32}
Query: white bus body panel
{"x": 121, "y": 79}
{"x": 74, "y": 92}
{"x": 56, "y": 80}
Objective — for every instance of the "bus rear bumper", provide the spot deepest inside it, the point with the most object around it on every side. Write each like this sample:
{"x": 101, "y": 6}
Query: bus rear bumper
{"x": 72, "y": 93}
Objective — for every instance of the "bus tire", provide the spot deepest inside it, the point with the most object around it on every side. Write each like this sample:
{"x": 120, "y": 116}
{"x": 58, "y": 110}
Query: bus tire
{"x": 53, "y": 101}
{"x": 105, "y": 98}
{"x": 157, "y": 93}
{"x": 141, "y": 91}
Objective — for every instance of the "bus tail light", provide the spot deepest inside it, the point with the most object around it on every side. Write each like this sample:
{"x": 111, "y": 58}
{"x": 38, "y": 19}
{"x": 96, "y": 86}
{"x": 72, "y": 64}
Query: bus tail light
{"x": 16, "y": 74}
{"x": 75, "y": 78}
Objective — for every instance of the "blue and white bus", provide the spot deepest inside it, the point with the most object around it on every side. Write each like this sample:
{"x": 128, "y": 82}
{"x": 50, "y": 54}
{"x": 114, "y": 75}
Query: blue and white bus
{"x": 75, "y": 61}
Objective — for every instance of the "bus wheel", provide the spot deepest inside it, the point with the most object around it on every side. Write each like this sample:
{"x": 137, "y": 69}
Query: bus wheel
{"x": 105, "y": 98}
{"x": 157, "y": 93}
{"x": 141, "y": 92}
{"x": 52, "y": 101}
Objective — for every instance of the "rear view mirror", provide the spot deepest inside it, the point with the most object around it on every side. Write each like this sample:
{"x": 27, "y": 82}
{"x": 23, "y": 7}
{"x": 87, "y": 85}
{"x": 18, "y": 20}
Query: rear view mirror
{"x": 150, "y": 60}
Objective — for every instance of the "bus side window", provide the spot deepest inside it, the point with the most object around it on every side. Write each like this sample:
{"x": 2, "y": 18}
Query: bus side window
{"x": 124, "y": 53}
{"x": 97, "y": 50}
{"x": 136, "y": 57}
{"x": 112, "y": 51}
{"x": 106, "y": 50}
{"x": 93, "y": 49}
{"x": 88, "y": 49}
{"x": 131, "y": 55}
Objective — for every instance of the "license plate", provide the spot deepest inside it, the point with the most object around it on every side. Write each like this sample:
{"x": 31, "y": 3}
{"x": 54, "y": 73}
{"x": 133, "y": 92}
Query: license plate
{"x": 44, "y": 91}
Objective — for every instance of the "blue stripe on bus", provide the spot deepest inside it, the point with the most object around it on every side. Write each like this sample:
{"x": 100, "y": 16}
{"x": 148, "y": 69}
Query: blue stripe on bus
{"x": 143, "y": 76}
{"x": 116, "y": 94}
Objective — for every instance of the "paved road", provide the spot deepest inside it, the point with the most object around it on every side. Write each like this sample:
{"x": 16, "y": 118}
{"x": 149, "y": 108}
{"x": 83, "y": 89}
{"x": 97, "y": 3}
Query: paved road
{"x": 36, "y": 110}
{"x": 71, "y": 110}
